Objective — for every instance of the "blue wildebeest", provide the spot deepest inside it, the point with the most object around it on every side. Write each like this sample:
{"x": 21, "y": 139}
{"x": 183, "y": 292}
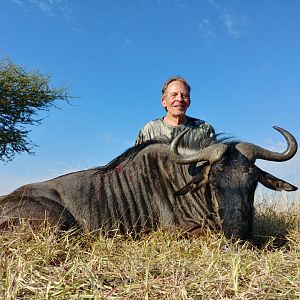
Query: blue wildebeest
{"x": 156, "y": 184}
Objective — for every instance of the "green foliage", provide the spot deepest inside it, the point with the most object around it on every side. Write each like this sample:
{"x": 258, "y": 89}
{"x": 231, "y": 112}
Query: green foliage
{"x": 22, "y": 96}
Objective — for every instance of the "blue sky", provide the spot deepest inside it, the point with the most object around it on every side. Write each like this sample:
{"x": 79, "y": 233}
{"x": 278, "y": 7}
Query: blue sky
{"x": 240, "y": 57}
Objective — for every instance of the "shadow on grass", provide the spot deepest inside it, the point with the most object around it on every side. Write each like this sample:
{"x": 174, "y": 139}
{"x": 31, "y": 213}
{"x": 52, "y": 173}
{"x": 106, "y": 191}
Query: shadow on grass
{"x": 271, "y": 228}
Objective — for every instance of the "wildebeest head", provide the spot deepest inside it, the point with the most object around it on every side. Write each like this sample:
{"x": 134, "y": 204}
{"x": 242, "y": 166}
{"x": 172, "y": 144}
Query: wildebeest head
{"x": 230, "y": 177}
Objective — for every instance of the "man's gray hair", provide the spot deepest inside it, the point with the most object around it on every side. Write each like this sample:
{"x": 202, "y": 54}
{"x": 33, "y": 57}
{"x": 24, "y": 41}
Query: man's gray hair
{"x": 175, "y": 78}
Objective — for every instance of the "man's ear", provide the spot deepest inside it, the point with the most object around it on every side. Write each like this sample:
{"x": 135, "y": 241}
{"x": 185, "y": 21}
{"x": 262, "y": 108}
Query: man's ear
{"x": 163, "y": 102}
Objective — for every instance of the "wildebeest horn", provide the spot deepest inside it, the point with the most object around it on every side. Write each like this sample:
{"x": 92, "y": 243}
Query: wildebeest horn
{"x": 211, "y": 153}
{"x": 254, "y": 152}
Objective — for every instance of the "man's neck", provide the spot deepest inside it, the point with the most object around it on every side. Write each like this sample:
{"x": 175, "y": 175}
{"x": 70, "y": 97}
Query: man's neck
{"x": 174, "y": 120}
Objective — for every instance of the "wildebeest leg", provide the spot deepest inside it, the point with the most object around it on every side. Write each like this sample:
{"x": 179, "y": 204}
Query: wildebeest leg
{"x": 36, "y": 211}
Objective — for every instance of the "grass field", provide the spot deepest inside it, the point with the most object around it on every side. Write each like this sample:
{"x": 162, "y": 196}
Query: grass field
{"x": 47, "y": 264}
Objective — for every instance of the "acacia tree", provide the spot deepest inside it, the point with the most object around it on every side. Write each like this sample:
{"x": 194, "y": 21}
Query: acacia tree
{"x": 22, "y": 96}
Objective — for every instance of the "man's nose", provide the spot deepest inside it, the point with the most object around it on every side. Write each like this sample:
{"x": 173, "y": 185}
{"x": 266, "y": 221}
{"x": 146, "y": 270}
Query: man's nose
{"x": 179, "y": 97}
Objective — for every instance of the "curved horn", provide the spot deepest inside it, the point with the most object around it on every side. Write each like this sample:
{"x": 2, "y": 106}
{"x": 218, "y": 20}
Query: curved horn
{"x": 254, "y": 152}
{"x": 211, "y": 153}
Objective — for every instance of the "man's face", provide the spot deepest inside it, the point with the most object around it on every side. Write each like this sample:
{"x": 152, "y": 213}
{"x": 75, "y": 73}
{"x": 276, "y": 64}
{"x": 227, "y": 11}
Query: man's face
{"x": 177, "y": 99}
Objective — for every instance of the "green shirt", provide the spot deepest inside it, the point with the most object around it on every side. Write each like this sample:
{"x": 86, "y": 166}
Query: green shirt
{"x": 158, "y": 129}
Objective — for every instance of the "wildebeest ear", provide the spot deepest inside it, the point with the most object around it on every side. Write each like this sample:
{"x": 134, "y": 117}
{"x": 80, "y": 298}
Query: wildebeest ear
{"x": 275, "y": 183}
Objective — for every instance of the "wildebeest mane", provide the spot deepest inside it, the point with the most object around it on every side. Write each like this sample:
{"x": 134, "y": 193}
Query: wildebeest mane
{"x": 223, "y": 138}
{"x": 128, "y": 155}
{"x": 185, "y": 144}
{"x": 190, "y": 143}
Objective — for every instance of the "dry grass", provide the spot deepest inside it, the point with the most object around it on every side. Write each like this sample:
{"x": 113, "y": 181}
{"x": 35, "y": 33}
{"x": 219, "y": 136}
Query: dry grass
{"x": 47, "y": 264}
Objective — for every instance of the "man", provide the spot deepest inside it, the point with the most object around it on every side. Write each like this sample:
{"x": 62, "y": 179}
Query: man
{"x": 176, "y": 100}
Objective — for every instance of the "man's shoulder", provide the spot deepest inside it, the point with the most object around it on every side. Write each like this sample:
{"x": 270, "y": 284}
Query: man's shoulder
{"x": 150, "y": 127}
{"x": 200, "y": 126}
{"x": 151, "y": 130}
{"x": 153, "y": 123}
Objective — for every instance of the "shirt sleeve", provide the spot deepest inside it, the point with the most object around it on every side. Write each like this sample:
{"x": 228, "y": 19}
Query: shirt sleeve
{"x": 139, "y": 138}
{"x": 148, "y": 132}
{"x": 144, "y": 134}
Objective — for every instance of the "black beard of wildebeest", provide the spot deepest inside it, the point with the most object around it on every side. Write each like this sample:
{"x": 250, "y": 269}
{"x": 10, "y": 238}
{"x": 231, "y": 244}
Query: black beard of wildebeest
{"x": 155, "y": 185}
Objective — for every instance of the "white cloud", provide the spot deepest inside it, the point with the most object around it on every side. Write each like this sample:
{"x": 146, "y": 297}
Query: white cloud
{"x": 52, "y": 8}
{"x": 44, "y": 6}
{"x": 207, "y": 30}
{"x": 18, "y": 2}
{"x": 229, "y": 20}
